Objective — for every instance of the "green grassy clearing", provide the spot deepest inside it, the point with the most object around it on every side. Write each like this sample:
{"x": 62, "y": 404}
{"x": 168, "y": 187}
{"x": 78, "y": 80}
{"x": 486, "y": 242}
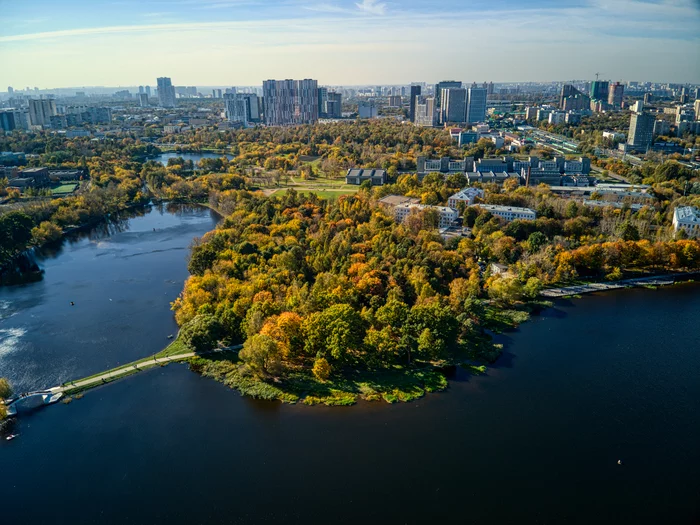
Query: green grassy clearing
{"x": 64, "y": 189}
{"x": 390, "y": 384}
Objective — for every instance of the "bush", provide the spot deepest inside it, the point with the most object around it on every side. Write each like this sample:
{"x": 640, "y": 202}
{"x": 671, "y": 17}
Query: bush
{"x": 322, "y": 370}
{"x": 201, "y": 333}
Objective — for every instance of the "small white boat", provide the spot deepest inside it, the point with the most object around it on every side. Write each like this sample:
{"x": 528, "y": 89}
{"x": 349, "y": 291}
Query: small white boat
{"x": 11, "y": 437}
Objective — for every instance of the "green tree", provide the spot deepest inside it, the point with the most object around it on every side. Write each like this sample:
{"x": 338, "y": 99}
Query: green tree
{"x": 535, "y": 241}
{"x": 262, "y": 354}
{"x": 335, "y": 332}
{"x": 201, "y": 333}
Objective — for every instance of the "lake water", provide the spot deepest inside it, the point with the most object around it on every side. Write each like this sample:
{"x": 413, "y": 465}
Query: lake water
{"x": 600, "y": 379}
{"x": 194, "y": 157}
{"x": 121, "y": 276}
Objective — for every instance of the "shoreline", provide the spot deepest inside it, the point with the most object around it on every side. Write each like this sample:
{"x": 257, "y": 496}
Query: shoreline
{"x": 401, "y": 384}
{"x": 655, "y": 280}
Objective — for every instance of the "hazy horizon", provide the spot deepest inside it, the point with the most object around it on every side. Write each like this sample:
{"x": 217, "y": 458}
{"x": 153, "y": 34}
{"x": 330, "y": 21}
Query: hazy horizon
{"x": 73, "y": 43}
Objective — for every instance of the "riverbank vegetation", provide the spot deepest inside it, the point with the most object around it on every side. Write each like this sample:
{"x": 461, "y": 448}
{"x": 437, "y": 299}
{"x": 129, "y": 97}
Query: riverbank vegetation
{"x": 5, "y": 393}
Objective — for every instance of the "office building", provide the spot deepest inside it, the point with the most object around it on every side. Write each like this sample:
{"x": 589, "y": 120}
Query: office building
{"x": 143, "y": 100}
{"x": 599, "y": 90}
{"x": 467, "y": 196}
{"x": 334, "y": 105}
{"x": 476, "y": 105}
{"x": 445, "y": 84}
{"x": 446, "y": 215}
{"x": 367, "y": 109}
{"x": 41, "y": 111}
{"x": 356, "y": 177}
{"x": 290, "y": 102}
{"x": 454, "y": 105}
{"x": 415, "y": 92}
{"x": 641, "y": 131}
{"x": 615, "y": 95}
{"x": 509, "y": 213}
{"x": 166, "y": 93}
{"x": 687, "y": 218}
{"x": 426, "y": 111}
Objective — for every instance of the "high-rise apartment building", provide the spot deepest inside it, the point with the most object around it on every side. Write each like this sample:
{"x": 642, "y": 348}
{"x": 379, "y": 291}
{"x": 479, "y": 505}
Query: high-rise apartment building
{"x": 143, "y": 100}
{"x": 426, "y": 111}
{"x": 148, "y": 91}
{"x": 445, "y": 84}
{"x": 322, "y": 101}
{"x": 415, "y": 92}
{"x": 454, "y": 105}
{"x": 236, "y": 108}
{"x": 476, "y": 105}
{"x": 141, "y": 90}
{"x": 334, "y": 105}
{"x": 567, "y": 90}
{"x": 289, "y": 102}
{"x": 216, "y": 93}
{"x": 367, "y": 109}
{"x": 41, "y": 111}
{"x": 599, "y": 90}
{"x": 166, "y": 93}
{"x": 242, "y": 107}
{"x": 641, "y": 132}
{"x": 7, "y": 120}
{"x": 616, "y": 92}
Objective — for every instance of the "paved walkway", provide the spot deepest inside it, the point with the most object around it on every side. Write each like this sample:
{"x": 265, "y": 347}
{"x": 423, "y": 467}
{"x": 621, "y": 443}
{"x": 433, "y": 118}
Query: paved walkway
{"x": 119, "y": 372}
{"x": 657, "y": 280}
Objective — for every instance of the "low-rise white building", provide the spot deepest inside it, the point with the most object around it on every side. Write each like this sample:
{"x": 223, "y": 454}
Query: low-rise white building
{"x": 467, "y": 196}
{"x": 509, "y": 213}
{"x": 447, "y": 215}
{"x": 687, "y": 218}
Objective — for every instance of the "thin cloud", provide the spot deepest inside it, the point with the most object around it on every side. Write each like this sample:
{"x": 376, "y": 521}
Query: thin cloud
{"x": 372, "y": 6}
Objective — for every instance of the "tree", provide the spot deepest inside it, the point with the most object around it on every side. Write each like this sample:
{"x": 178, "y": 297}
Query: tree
{"x": 335, "y": 332}
{"x": 628, "y": 232}
{"x": 535, "y": 241}
{"x": 262, "y": 354}
{"x": 321, "y": 369}
{"x": 46, "y": 232}
{"x": 506, "y": 290}
{"x": 5, "y": 388}
{"x": 201, "y": 333}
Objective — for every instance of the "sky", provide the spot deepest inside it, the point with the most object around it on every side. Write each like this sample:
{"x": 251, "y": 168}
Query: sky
{"x": 73, "y": 43}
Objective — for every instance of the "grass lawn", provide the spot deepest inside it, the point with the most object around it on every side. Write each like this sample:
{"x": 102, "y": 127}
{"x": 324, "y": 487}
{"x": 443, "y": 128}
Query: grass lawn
{"x": 326, "y": 193}
{"x": 64, "y": 189}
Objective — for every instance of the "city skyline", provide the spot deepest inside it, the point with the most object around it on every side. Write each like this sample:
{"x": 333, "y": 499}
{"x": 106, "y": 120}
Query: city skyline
{"x": 346, "y": 42}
